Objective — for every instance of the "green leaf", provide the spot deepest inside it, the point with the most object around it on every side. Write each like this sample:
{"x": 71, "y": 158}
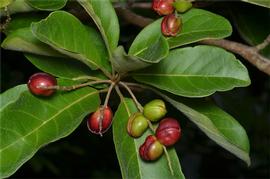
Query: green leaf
{"x": 215, "y": 123}
{"x": 199, "y": 24}
{"x": 264, "y": 3}
{"x": 251, "y": 30}
{"x": 196, "y": 72}
{"x": 48, "y": 5}
{"x": 123, "y": 63}
{"x": 29, "y": 122}
{"x": 23, "y": 40}
{"x": 5, "y": 3}
{"x": 62, "y": 67}
{"x": 17, "y": 6}
{"x": 22, "y": 21}
{"x": 103, "y": 14}
{"x": 132, "y": 166}
{"x": 150, "y": 45}
{"x": 65, "y": 33}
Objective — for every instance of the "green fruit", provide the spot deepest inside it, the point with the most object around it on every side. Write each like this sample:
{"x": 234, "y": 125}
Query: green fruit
{"x": 182, "y": 5}
{"x": 155, "y": 110}
{"x": 137, "y": 125}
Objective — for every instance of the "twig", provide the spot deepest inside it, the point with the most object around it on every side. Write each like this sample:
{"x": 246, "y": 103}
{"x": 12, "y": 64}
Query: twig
{"x": 8, "y": 19}
{"x": 251, "y": 54}
{"x": 265, "y": 43}
{"x": 247, "y": 52}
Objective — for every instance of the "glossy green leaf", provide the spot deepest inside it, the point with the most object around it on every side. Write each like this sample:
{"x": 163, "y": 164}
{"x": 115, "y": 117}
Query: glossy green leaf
{"x": 65, "y": 33}
{"x": 123, "y": 63}
{"x": 29, "y": 122}
{"x": 215, "y": 123}
{"x": 200, "y": 24}
{"x": 251, "y": 30}
{"x": 127, "y": 150}
{"x": 264, "y": 3}
{"x": 24, "y": 41}
{"x": 22, "y": 21}
{"x": 150, "y": 45}
{"x": 196, "y": 72}
{"x": 48, "y": 5}
{"x": 103, "y": 14}
{"x": 62, "y": 67}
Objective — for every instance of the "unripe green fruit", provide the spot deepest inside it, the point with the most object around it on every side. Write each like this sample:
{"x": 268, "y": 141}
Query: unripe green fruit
{"x": 137, "y": 125}
{"x": 182, "y": 5}
{"x": 154, "y": 110}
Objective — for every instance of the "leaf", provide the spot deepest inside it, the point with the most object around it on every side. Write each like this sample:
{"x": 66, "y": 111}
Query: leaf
{"x": 62, "y": 67}
{"x": 103, "y": 14}
{"x": 123, "y": 63}
{"x": 150, "y": 45}
{"x": 196, "y": 72}
{"x": 17, "y": 6}
{"x": 251, "y": 30}
{"x": 215, "y": 123}
{"x": 23, "y": 40}
{"x": 127, "y": 150}
{"x": 47, "y": 5}
{"x": 264, "y": 3}
{"x": 22, "y": 21}
{"x": 5, "y": 3}
{"x": 200, "y": 24}
{"x": 65, "y": 33}
{"x": 29, "y": 122}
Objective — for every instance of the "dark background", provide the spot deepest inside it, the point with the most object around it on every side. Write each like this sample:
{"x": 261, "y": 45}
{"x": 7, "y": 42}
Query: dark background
{"x": 85, "y": 155}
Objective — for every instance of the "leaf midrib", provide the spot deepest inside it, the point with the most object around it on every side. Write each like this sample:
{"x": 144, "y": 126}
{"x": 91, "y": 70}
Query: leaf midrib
{"x": 50, "y": 119}
{"x": 129, "y": 114}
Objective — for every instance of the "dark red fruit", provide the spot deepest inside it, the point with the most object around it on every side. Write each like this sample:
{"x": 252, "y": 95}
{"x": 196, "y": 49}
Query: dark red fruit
{"x": 168, "y": 131}
{"x": 151, "y": 149}
{"x": 163, "y": 7}
{"x": 98, "y": 123}
{"x": 171, "y": 25}
{"x": 38, "y": 81}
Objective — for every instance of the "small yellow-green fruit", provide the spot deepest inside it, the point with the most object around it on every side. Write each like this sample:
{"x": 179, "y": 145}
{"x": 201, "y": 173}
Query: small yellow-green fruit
{"x": 137, "y": 125}
{"x": 182, "y": 5}
{"x": 154, "y": 110}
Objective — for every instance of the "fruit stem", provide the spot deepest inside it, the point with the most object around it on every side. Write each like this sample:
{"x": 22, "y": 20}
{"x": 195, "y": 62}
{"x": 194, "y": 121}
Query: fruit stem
{"x": 86, "y": 78}
{"x": 168, "y": 160}
{"x": 69, "y": 88}
{"x": 119, "y": 93}
{"x": 139, "y": 106}
{"x": 151, "y": 126}
{"x": 104, "y": 106}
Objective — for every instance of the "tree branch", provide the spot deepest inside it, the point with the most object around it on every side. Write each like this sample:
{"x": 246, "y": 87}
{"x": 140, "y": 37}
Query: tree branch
{"x": 249, "y": 53}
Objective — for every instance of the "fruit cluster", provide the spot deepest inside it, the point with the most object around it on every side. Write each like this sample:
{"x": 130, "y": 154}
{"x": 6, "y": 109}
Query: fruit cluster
{"x": 167, "y": 133}
{"x": 171, "y": 24}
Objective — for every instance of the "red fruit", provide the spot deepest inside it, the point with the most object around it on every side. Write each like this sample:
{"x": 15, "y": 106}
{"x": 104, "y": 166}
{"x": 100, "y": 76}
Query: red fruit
{"x": 98, "y": 123}
{"x": 151, "y": 149}
{"x": 171, "y": 25}
{"x": 168, "y": 131}
{"x": 163, "y": 7}
{"x": 39, "y": 80}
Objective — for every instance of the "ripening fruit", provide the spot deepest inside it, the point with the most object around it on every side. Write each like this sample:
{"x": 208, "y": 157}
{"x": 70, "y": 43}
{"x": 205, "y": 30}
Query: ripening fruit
{"x": 151, "y": 149}
{"x": 171, "y": 25}
{"x": 182, "y": 5}
{"x": 154, "y": 110}
{"x": 39, "y": 80}
{"x": 163, "y": 7}
{"x": 98, "y": 123}
{"x": 137, "y": 125}
{"x": 168, "y": 131}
